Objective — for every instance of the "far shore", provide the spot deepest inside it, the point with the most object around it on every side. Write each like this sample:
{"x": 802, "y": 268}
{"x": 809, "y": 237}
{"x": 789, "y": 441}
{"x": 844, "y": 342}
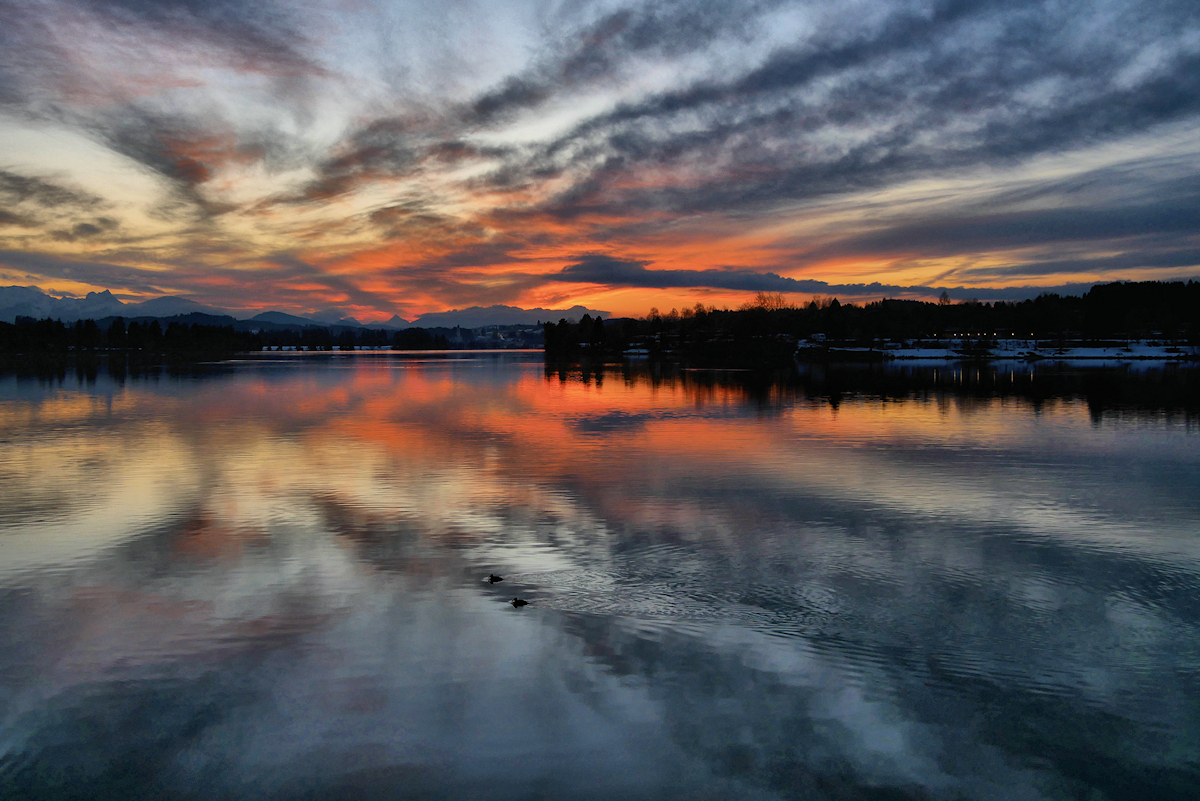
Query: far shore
{"x": 1029, "y": 350}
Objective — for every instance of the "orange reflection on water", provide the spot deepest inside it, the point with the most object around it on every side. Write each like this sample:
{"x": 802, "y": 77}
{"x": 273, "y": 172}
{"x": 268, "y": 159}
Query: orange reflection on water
{"x": 315, "y": 475}
{"x": 453, "y": 444}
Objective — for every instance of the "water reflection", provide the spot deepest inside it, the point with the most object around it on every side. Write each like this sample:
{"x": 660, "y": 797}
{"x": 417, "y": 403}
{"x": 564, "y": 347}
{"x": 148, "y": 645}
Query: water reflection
{"x": 267, "y": 578}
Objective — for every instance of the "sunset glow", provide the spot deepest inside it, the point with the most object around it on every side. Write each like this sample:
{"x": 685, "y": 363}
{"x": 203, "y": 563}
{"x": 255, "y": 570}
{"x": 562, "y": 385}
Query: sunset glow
{"x": 387, "y": 158}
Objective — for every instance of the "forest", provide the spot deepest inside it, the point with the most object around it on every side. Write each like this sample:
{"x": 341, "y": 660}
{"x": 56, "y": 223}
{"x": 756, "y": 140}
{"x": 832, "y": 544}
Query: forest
{"x": 204, "y": 336}
{"x": 766, "y": 330}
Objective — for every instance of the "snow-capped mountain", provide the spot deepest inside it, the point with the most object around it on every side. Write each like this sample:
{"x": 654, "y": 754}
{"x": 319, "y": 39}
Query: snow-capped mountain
{"x": 28, "y": 301}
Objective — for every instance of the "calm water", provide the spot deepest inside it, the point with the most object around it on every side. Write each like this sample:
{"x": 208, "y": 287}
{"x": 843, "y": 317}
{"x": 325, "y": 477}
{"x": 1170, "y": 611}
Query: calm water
{"x": 267, "y": 580}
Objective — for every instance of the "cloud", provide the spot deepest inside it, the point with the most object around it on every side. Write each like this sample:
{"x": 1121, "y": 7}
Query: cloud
{"x": 1126, "y": 263}
{"x": 445, "y": 156}
{"x": 863, "y": 106}
{"x": 9, "y": 218}
{"x": 293, "y": 268}
{"x": 618, "y": 272}
{"x": 85, "y": 271}
{"x": 962, "y": 84}
{"x": 282, "y": 279}
{"x": 18, "y": 189}
{"x": 608, "y": 271}
{"x": 85, "y": 49}
{"x": 35, "y": 207}
{"x": 1164, "y": 234}
{"x": 378, "y": 151}
{"x": 86, "y": 230}
{"x": 260, "y": 34}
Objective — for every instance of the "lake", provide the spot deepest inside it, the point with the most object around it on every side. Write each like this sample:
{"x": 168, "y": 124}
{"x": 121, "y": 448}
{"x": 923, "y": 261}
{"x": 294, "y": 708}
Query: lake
{"x": 267, "y": 579}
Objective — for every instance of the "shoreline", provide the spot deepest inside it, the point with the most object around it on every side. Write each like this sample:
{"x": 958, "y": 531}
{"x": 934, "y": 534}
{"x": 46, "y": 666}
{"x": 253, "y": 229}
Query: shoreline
{"x": 1011, "y": 350}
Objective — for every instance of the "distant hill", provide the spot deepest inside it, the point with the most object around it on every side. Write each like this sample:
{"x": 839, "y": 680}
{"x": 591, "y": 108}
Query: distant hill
{"x": 191, "y": 318}
{"x": 169, "y": 306}
{"x": 333, "y": 316}
{"x": 280, "y": 318}
{"x": 28, "y": 301}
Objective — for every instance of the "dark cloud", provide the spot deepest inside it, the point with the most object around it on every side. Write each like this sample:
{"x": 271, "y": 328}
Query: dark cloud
{"x": 594, "y": 269}
{"x": 514, "y": 95}
{"x": 100, "y": 273}
{"x": 1170, "y": 259}
{"x": 601, "y": 50}
{"x": 405, "y": 218}
{"x": 378, "y": 151}
{"x": 605, "y": 270}
{"x": 38, "y": 206}
{"x": 920, "y": 93}
{"x": 388, "y": 149}
{"x": 259, "y": 37}
{"x": 976, "y": 233}
{"x": 17, "y": 189}
{"x": 86, "y": 230}
{"x": 263, "y": 34}
{"x": 18, "y": 220}
{"x": 392, "y": 147}
{"x": 185, "y": 151}
{"x": 462, "y": 288}
{"x": 82, "y": 85}
{"x": 292, "y": 268}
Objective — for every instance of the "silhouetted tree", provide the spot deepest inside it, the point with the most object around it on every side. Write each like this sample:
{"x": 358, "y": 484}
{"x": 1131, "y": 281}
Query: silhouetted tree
{"x": 115, "y": 336}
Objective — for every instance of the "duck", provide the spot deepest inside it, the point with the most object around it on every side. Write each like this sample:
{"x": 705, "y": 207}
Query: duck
{"x": 493, "y": 578}
{"x": 518, "y": 603}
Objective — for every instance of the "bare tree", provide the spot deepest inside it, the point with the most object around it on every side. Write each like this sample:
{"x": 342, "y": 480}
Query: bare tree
{"x": 768, "y": 301}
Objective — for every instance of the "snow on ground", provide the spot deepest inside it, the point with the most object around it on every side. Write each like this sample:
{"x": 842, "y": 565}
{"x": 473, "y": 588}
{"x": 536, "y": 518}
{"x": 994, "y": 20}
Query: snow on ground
{"x": 1034, "y": 350}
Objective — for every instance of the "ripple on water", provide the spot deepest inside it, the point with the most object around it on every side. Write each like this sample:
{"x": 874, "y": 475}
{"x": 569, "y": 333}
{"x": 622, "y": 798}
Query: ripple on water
{"x": 782, "y": 609}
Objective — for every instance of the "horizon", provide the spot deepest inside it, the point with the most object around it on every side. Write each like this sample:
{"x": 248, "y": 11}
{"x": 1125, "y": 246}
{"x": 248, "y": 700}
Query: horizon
{"x": 1013, "y": 295}
{"x": 386, "y": 159}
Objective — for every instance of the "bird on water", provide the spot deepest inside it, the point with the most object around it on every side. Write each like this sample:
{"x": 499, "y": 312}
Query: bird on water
{"x": 493, "y": 578}
{"x": 518, "y": 603}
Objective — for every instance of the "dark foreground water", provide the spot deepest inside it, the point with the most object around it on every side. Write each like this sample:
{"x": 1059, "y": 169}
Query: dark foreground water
{"x": 266, "y": 580}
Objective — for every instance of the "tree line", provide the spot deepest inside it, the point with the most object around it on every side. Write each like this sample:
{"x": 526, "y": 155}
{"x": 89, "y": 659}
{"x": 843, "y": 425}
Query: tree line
{"x": 49, "y": 337}
{"x": 766, "y": 330}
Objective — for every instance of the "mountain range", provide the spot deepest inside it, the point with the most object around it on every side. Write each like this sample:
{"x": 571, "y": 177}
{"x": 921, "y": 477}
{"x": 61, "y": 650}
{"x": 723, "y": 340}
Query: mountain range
{"x": 28, "y": 301}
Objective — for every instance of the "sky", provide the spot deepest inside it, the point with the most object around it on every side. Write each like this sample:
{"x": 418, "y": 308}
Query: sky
{"x": 407, "y": 157}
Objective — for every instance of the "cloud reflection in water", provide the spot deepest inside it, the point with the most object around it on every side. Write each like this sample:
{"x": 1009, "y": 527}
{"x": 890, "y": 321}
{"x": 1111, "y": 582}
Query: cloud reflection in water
{"x": 269, "y": 581}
